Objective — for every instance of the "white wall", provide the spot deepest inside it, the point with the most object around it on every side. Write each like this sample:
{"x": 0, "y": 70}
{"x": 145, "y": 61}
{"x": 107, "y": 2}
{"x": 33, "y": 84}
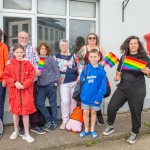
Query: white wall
{"x": 113, "y": 31}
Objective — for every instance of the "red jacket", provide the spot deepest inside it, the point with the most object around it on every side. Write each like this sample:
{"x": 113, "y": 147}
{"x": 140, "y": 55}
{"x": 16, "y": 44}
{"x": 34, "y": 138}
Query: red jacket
{"x": 3, "y": 58}
{"x": 21, "y": 102}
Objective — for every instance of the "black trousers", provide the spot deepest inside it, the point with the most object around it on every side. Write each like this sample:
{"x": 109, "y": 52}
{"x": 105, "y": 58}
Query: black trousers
{"x": 135, "y": 97}
{"x": 34, "y": 117}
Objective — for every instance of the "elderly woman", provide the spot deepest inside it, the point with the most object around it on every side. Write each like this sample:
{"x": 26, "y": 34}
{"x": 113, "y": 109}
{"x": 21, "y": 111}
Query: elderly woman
{"x": 92, "y": 43}
{"x": 69, "y": 70}
{"x": 131, "y": 89}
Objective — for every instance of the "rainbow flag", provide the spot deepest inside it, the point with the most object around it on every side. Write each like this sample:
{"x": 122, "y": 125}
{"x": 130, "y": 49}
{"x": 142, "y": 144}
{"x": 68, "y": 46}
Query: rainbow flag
{"x": 41, "y": 64}
{"x": 131, "y": 63}
{"x": 110, "y": 59}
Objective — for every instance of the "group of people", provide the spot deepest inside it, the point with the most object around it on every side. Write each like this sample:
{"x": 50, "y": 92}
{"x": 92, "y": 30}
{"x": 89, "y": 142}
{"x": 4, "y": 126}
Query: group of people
{"x": 29, "y": 86}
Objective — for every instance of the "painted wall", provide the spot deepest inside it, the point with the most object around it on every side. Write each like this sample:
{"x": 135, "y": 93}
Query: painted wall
{"x": 113, "y": 32}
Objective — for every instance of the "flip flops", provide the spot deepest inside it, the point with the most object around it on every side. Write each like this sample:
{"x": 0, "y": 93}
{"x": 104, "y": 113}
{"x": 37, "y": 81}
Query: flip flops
{"x": 94, "y": 135}
{"x": 83, "y": 134}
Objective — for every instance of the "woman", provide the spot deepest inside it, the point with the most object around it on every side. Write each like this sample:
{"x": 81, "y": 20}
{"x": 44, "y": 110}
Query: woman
{"x": 131, "y": 89}
{"x": 69, "y": 68}
{"x": 92, "y": 43}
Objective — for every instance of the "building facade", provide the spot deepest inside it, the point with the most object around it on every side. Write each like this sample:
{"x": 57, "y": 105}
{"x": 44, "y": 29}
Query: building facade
{"x": 49, "y": 21}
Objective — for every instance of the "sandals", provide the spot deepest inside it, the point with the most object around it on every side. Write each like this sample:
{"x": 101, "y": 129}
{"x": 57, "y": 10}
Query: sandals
{"x": 83, "y": 134}
{"x": 94, "y": 135}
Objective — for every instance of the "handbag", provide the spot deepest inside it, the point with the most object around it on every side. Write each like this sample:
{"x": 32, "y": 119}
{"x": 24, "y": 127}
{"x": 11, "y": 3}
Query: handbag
{"x": 77, "y": 89}
{"x": 108, "y": 92}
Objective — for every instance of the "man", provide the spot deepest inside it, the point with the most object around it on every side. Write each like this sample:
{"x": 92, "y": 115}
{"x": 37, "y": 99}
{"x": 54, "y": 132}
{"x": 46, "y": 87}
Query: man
{"x": 3, "y": 60}
{"x": 32, "y": 56}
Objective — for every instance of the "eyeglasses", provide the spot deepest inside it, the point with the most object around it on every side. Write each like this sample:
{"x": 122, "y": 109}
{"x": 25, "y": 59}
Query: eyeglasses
{"x": 23, "y": 38}
{"x": 90, "y": 38}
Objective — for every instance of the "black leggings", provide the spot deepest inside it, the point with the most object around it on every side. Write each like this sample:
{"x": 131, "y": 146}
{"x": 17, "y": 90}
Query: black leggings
{"x": 135, "y": 98}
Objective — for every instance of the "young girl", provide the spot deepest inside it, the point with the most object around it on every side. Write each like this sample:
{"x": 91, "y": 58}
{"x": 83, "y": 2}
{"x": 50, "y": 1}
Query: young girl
{"x": 19, "y": 76}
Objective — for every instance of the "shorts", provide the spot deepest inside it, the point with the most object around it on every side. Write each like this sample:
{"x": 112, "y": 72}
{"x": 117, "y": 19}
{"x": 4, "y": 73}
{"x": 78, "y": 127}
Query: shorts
{"x": 84, "y": 107}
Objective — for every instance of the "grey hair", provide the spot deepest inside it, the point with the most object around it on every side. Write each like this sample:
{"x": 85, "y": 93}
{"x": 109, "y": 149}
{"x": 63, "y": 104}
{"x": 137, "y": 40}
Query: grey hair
{"x": 63, "y": 41}
{"x": 22, "y": 32}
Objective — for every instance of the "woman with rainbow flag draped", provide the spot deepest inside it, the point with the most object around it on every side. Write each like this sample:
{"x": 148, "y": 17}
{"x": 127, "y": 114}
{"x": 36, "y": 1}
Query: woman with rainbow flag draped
{"x": 133, "y": 65}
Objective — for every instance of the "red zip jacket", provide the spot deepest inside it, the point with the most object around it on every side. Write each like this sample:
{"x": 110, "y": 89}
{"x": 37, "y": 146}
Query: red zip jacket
{"x": 21, "y": 102}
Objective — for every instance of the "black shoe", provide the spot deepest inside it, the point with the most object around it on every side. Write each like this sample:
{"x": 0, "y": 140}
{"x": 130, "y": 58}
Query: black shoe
{"x": 46, "y": 125}
{"x": 38, "y": 130}
{"x": 108, "y": 130}
{"x": 100, "y": 120}
{"x": 52, "y": 127}
{"x": 21, "y": 132}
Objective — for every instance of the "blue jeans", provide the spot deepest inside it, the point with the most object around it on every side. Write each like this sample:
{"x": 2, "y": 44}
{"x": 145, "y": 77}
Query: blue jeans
{"x": 2, "y": 100}
{"x": 50, "y": 92}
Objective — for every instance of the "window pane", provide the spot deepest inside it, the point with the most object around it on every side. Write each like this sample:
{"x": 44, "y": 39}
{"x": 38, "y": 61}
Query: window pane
{"x": 80, "y": 28}
{"x": 12, "y": 26}
{"x": 17, "y": 4}
{"x": 79, "y": 9}
{"x": 52, "y": 7}
{"x": 56, "y": 30}
{"x": 25, "y": 27}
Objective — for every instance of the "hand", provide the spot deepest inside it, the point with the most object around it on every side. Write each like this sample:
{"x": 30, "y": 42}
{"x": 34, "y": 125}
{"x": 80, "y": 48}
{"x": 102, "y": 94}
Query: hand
{"x": 4, "y": 83}
{"x": 56, "y": 84}
{"x": 146, "y": 70}
{"x": 8, "y": 62}
{"x": 78, "y": 79}
{"x": 21, "y": 87}
{"x": 37, "y": 73}
{"x": 18, "y": 85}
{"x": 117, "y": 78}
{"x": 96, "y": 102}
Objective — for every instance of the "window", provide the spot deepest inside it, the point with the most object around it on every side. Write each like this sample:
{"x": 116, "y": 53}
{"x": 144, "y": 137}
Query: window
{"x": 46, "y": 34}
{"x": 51, "y": 35}
{"x": 17, "y": 4}
{"x": 82, "y": 9}
{"x": 14, "y": 30}
{"x": 80, "y": 28}
{"x": 25, "y": 27}
{"x": 12, "y": 26}
{"x": 56, "y": 35}
{"x": 40, "y": 32}
{"x": 52, "y": 7}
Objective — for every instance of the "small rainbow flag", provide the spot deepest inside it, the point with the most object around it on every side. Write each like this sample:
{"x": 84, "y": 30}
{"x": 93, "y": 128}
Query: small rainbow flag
{"x": 110, "y": 59}
{"x": 131, "y": 63}
{"x": 41, "y": 64}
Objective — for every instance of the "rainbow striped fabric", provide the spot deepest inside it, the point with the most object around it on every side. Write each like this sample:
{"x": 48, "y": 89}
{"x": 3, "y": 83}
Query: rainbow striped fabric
{"x": 110, "y": 59}
{"x": 131, "y": 63}
{"x": 41, "y": 64}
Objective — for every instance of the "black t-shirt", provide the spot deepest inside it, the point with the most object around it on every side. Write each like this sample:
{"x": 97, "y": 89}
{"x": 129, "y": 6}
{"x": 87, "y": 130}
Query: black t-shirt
{"x": 131, "y": 78}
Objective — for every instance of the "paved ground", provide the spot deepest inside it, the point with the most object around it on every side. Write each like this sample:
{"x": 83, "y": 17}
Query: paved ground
{"x": 62, "y": 139}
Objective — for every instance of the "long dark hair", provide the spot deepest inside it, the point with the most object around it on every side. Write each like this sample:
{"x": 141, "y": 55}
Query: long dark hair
{"x": 125, "y": 47}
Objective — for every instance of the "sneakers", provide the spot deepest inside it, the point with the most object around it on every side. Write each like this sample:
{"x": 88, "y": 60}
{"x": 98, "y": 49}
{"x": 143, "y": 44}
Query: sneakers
{"x": 38, "y": 130}
{"x": 52, "y": 127}
{"x": 132, "y": 138}
{"x": 28, "y": 138}
{"x": 63, "y": 126}
{"x": 14, "y": 135}
{"x": 46, "y": 125}
{"x": 21, "y": 132}
{"x": 100, "y": 120}
{"x": 108, "y": 130}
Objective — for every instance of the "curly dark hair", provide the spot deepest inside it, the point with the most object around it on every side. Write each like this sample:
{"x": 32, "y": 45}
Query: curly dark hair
{"x": 47, "y": 47}
{"x": 97, "y": 39}
{"x": 125, "y": 47}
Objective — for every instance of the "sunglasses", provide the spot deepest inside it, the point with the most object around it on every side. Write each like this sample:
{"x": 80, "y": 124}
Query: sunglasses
{"x": 90, "y": 38}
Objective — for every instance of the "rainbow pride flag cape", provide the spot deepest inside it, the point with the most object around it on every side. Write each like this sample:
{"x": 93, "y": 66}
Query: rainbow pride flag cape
{"x": 131, "y": 63}
{"x": 110, "y": 59}
{"x": 41, "y": 64}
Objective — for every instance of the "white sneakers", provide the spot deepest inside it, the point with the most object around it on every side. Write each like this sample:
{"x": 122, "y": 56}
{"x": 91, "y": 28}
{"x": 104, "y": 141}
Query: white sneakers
{"x": 63, "y": 126}
{"x": 28, "y": 138}
{"x": 14, "y": 135}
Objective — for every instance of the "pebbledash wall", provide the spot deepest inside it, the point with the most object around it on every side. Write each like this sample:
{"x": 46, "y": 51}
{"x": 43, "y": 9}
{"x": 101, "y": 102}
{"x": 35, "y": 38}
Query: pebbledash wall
{"x": 103, "y": 17}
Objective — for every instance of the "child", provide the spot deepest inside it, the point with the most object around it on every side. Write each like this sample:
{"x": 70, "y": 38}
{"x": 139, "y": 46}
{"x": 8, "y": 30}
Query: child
{"x": 19, "y": 76}
{"x": 93, "y": 90}
{"x": 47, "y": 86}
